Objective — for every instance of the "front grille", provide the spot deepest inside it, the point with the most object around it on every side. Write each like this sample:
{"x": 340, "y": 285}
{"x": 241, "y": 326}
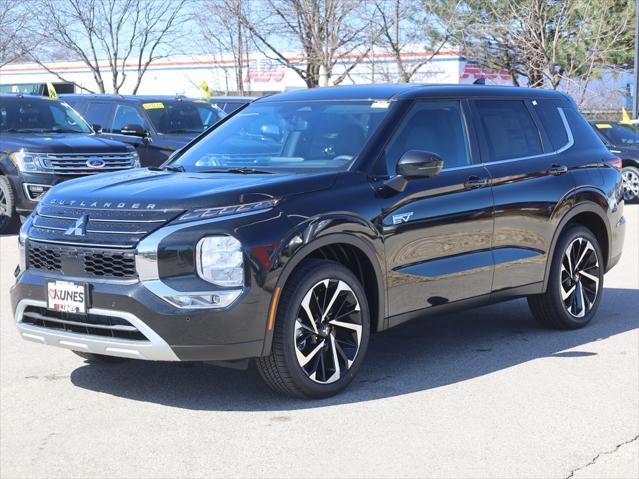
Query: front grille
{"x": 93, "y": 324}
{"x": 108, "y": 228}
{"x": 78, "y": 164}
{"x": 77, "y": 261}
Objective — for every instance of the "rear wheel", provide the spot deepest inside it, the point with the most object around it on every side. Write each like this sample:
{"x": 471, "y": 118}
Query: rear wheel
{"x": 575, "y": 283}
{"x": 321, "y": 332}
{"x": 7, "y": 204}
{"x": 630, "y": 176}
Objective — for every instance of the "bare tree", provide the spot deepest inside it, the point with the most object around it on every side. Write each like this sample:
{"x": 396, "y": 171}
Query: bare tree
{"x": 405, "y": 25}
{"x": 225, "y": 33}
{"x": 548, "y": 42}
{"x": 325, "y": 31}
{"x": 14, "y": 43}
{"x": 123, "y": 33}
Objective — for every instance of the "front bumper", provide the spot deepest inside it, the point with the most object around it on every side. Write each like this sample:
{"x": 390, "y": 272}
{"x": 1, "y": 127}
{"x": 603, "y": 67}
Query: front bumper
{"x": 171, "y": 334}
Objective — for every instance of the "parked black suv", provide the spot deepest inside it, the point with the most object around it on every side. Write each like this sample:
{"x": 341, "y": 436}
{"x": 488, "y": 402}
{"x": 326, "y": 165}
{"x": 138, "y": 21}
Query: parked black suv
{"x": 623, "y": 140}
{"x": 155, "y": 125}
{"x": 299, "y": 226}
{"x": 44, "y": 142}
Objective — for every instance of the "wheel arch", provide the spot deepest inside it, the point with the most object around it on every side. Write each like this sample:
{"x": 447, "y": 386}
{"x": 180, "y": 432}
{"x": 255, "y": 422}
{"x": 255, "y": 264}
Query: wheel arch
{"x": 357, "y": 254}
{"x": 590, "y": 213}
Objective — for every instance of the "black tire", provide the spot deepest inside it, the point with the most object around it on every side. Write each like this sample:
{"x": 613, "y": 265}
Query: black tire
{"x": 283, "y": 371}
{"x": 7, "y": 205}
{"x": 630, "y": 176}
{"x": 576, "y": 310}
{"x": 99, "y": 358}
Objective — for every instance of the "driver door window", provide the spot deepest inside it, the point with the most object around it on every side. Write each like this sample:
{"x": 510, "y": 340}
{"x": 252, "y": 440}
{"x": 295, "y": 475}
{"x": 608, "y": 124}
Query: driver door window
{"x": 435, "y": 126}
{"x": 125, "y": 115}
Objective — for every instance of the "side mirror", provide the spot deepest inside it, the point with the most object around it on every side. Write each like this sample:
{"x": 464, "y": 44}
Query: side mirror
{"x": 271, "y": 131}
{"x": 133, "y": 130}
{"x": 419, "y": 164}
{"x": 97, "y": 128}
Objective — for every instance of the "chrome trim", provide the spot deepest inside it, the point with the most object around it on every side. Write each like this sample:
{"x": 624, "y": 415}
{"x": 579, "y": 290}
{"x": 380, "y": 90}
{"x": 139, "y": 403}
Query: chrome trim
{"x": 163, "y": 291}
{"x": 82, "y": 279}
{"x": 93, "y": 220}
{"x": 155, "y": 349}
{"x": 115, "y": 327}
{"x": 72, "y": 243}
{"x": 25, "y": 186}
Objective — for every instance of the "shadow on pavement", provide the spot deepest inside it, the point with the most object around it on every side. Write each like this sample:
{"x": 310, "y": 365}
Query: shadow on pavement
{"x": 413, "y": 357}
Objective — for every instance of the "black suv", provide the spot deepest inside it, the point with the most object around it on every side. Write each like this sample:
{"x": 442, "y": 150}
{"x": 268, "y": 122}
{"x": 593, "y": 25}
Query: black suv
{"x": 43, "y": 142}
{"x": 309, "y": 220}
{"x": 623, "y": 140}
{"x": 155, "y": 125}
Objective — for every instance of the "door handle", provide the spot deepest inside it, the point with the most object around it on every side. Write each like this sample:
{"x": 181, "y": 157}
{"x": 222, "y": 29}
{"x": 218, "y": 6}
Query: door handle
{"x": 475, "y": 182}
{"x": 557, "y": 170}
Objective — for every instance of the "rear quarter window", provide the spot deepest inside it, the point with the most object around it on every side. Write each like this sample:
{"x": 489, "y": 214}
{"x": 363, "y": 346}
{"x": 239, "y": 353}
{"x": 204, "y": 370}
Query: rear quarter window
{"x": 585, "y": 137}
{"x": 551, "y": 122}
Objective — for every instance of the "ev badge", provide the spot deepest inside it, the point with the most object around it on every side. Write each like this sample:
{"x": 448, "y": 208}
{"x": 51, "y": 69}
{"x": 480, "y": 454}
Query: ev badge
{"x": 402, "y": 218}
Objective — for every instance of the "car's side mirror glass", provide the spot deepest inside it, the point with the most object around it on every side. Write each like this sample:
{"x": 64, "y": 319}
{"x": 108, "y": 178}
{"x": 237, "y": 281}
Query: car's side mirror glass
{"x": 271, "y": 131}
{"x": 419, "y": 164}
{"x": 133, "y": 130}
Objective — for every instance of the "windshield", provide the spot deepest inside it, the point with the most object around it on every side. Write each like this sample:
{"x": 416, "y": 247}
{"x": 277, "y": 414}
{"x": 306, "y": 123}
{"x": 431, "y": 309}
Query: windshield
{"x": 620, "y": 135}
{"x": 288, "y": 135}
{"x": 182, "y": 117}
{"x": 22, "y": 115}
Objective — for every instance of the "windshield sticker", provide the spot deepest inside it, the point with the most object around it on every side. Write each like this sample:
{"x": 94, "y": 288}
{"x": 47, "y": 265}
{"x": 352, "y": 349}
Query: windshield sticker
{"x": 603, "y": 125}
{"x": 153, "y": 106}
{"x": 380, "y": 104}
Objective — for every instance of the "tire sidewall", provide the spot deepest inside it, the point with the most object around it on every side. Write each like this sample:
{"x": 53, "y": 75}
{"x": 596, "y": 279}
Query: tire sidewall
{"x": 554, "y": 287}
{"x": 6, "y": 221}
{"x": 301, "y": 286}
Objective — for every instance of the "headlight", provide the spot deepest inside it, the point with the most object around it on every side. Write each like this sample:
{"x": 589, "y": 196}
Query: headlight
{"x": 220, "y": 260}
{"x": 25, "y": 161}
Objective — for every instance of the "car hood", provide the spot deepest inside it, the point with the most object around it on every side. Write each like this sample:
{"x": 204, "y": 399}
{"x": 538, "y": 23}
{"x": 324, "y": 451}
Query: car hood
{"x": 61, "y": 143}
{"x": 169, "y": 190}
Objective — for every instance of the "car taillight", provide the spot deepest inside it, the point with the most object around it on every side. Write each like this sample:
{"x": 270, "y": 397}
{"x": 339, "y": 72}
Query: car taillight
{"x": 615, "y": 162}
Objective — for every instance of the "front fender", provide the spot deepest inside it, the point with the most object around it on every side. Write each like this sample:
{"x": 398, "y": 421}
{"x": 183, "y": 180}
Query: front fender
{"x": 314, "y": 233}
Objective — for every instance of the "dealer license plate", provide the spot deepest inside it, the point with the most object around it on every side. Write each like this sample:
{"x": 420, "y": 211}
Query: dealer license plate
{"x": 67, "y": 296}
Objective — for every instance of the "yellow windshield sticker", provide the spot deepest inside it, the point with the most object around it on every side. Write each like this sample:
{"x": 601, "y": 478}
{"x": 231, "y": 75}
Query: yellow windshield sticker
{"x": 604, "y": 125}
{"x": 153, "y": 106}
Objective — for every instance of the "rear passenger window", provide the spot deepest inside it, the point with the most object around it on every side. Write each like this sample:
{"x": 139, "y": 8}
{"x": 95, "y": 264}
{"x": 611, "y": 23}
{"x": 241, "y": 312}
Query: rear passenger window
{"x": 435, "y": 126}
{"x": 126, "y": 115}
{"x": 552, "y": 123}
{"x": 509, "y": 129}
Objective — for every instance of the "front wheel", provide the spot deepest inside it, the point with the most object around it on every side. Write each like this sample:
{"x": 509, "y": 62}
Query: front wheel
{"x": 630, "y": 176}
{"x": 7, "y": 205}
{"x": 575, "y": 283}
{"x": 321, "y": 332}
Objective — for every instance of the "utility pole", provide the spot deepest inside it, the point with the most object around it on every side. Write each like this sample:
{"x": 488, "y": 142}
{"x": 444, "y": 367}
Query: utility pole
{"x": 635, "y": 89}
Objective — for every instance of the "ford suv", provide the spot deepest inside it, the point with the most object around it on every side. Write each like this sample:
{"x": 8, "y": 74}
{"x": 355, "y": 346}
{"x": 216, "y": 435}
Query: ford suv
{"x": 309, "y": 220}
{"x": 44, "y": 142}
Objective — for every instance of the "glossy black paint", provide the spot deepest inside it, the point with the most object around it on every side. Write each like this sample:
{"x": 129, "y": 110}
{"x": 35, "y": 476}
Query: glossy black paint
{"x": 154, "y": 148}
{"x": 466, "y": 236}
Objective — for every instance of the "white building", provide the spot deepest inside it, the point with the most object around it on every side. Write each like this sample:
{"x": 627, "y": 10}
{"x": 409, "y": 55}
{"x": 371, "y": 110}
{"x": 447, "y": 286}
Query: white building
{"x": 183, "y": 75}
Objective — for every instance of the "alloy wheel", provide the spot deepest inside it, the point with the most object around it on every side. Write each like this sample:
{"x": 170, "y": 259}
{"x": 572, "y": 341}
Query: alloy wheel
{"x": 580, "y": 277}
{"x": 328, "y": 331}
{"x": 4, "y": 209}
{"x": 630, "y": 184}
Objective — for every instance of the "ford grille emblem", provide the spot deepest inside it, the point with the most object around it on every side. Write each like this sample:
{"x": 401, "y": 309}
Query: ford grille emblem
{"x": 95, "y": 163}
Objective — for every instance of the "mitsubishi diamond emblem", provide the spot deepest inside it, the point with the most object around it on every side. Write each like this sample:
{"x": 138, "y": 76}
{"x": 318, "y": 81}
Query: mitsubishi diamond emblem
{"x": 79, "y": 228}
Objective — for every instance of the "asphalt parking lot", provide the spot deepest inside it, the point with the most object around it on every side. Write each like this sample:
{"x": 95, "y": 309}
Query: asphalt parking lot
{"x": 485, "y": 393}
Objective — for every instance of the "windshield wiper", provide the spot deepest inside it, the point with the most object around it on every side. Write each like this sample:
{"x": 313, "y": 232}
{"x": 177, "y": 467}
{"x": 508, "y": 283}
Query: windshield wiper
{"x": 183, "y": 131}
{"x": 174, "y": 168}
{"x": 239, "y": 171}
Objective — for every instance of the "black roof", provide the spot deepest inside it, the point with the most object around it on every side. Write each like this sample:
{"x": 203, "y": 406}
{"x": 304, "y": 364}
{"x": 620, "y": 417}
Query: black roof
{"x": 409, "y": 91}
{"x": 18, "y": 96}
{"x": 131, "y": 98}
